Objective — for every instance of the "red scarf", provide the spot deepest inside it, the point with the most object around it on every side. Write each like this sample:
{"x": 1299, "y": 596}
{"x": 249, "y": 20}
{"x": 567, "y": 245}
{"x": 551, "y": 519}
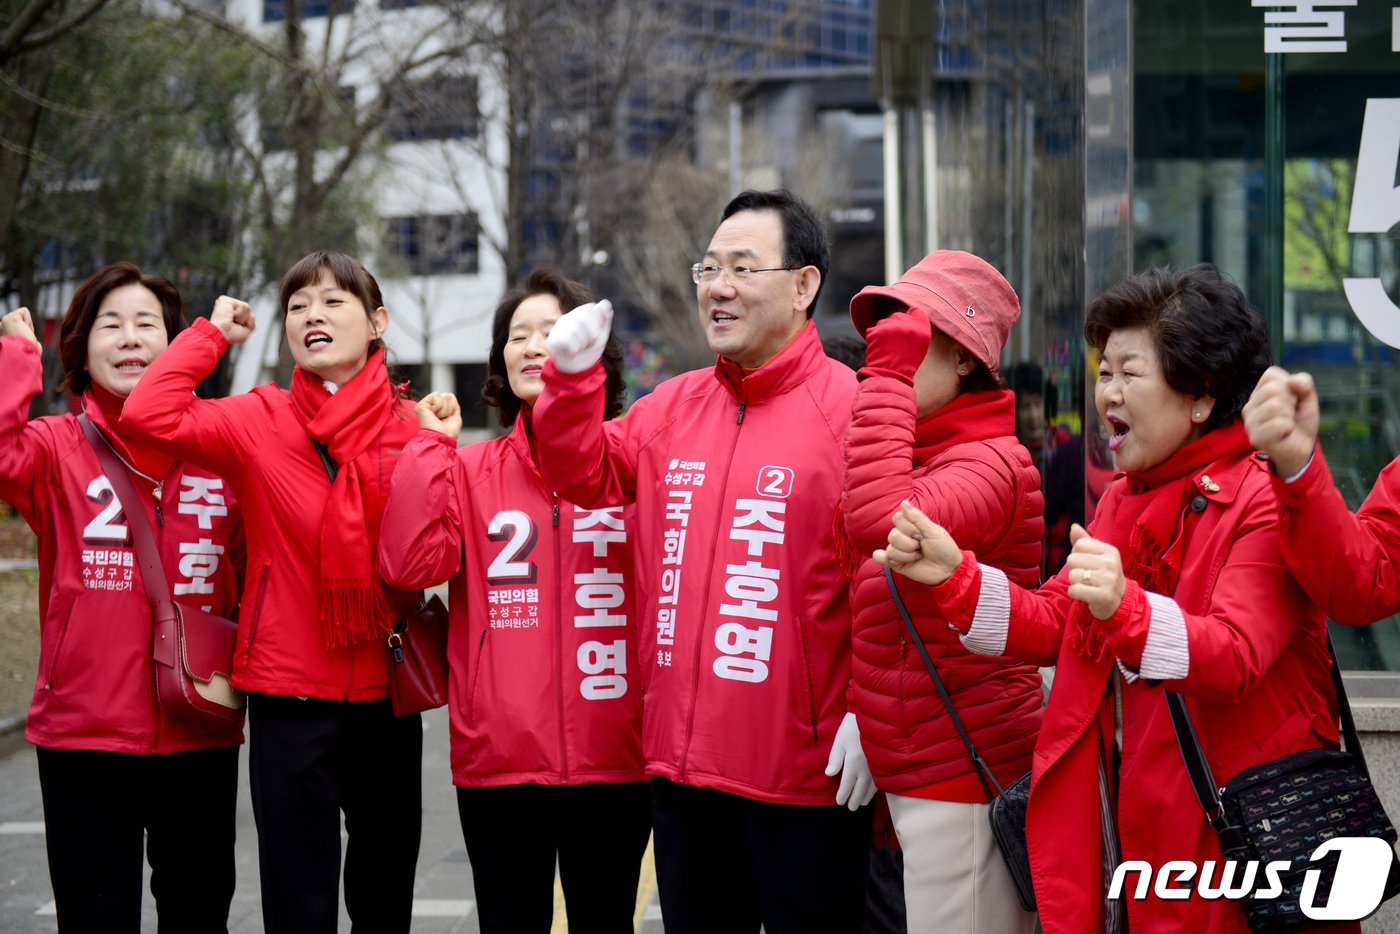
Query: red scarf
{"x": 1149, "y": 522}
{"x": 352, "y": 423}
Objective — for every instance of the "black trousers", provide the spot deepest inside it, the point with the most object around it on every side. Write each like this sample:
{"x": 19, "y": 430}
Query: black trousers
{"x": 97, "y": 805}
{"x": 310, "y": 760}
{"x": 728, "y": 863}
{"x": 513, "y": 834}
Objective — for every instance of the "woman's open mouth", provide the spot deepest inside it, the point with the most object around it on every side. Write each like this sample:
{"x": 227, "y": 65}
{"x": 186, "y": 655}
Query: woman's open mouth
{"x": 1117, "y": 431}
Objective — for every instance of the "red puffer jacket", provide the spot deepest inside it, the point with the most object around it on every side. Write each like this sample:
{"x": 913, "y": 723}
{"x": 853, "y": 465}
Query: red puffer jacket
{"x": 746, "y": 625}
{"x": 964, "y": 468}
{"x": 543, "y": 636}
{"x": 96, "y": 685}
{"x": 257, "y": 442}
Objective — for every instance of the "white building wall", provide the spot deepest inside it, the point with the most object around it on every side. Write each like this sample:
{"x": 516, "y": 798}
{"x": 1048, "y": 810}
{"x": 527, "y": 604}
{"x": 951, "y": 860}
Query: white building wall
{"x": 436, "y": 319}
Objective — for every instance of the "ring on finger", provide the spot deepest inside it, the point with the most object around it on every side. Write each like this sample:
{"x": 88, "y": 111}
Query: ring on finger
{"x": 1088, "y": 576}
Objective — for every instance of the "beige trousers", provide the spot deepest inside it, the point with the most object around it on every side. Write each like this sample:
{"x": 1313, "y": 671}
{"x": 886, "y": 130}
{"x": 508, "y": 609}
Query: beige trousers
{"x": 955, "y": 881}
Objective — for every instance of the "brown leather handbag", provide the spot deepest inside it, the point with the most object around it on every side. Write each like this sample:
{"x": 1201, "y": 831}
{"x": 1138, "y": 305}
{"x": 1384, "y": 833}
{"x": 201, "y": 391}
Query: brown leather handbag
{"x": 192, "y": 650}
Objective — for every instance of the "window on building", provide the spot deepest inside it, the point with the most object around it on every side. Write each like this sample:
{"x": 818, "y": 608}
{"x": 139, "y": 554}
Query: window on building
{"x": 275, "y": 11}
{"x": 440, "y": 107}
{"x": 436, "y": 244}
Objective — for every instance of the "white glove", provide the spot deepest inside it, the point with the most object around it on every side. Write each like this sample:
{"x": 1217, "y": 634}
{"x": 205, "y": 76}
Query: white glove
{"x": 857, "y": 785}
{"x": 577, "y": 339}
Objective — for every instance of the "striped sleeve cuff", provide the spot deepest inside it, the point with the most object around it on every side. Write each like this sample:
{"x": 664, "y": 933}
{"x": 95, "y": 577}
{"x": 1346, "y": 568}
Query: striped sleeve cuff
{"x": 1166, "y": 655}
{"x": 987, "y": 634}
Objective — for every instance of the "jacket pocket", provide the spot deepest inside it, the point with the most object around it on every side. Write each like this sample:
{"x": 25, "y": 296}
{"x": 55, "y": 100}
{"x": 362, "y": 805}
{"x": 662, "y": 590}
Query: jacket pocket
{"x": 807, "y": 674}
{"x": 476, "y": 678}
{"x": 59, "y": 645}
{"x": 258, "y": 594}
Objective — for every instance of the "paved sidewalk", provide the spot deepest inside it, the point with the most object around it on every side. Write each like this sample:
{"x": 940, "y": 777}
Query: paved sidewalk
{"x": 443, "y": 894}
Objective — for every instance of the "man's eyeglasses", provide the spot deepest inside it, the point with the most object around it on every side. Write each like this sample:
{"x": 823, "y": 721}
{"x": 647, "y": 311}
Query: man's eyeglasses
{"x": 709, "y": 272}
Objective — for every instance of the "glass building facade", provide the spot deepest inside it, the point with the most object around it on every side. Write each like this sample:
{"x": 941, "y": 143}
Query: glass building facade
{"x": 1079, "y": 141}
{"x": 1264, "y": 139}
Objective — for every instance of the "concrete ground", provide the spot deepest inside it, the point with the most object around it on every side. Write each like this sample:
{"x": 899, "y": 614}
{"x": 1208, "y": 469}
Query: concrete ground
{"x": 443, "y": 901}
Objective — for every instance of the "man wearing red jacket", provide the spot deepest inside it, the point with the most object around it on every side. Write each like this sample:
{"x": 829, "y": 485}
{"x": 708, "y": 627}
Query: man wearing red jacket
{"x": 1348, "y": 564}
{"x": 745, "y": 625}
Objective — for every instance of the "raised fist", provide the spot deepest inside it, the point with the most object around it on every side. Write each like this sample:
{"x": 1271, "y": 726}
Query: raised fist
{"x": 234, "y": 318}
{"x": 440, "y": 412}
{"x": 19, "y": 323}
{"x": 577, "y": 339}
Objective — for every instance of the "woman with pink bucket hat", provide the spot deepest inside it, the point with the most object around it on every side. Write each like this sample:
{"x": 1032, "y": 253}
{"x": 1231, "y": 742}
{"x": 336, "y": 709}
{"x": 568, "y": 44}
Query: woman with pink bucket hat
{"x": 933, "y": 423}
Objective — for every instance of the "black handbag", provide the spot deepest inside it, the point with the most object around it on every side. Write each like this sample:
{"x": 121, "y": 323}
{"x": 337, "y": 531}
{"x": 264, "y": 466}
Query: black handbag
{"x": 1284, "y": 809}
{"x": 1007, "y": 812}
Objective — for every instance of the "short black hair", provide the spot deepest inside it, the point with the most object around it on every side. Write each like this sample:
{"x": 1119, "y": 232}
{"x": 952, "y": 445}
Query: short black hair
{"x": 804, "y": 238}
{"x": 1210, "y": 339}
{"x": 845, "y": 348}
{"x": 496, "y": 391}
{"x": 1026, "y": 377}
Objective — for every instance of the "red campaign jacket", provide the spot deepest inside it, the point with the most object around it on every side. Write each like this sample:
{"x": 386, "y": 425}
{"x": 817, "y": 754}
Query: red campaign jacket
{"x": 1349, "y": 564}
{"x": 745, "y": 625}
{"x": 257, "y": 442}
{"x": 1259, "y": 687}
{"x": 978, "y": 482}
{"x": 542, "y": 643}
{"x": 96, "y": 688}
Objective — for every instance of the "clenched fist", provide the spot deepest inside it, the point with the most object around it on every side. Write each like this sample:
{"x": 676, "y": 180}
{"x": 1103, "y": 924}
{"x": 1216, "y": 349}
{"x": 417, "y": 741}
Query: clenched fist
{"x": 19, "y": 323}
{"x": 1282, "y": 419}
{"x": 234, "y": 318}
{"x": 440, "y": 412}
{"x": 577, "y": 339}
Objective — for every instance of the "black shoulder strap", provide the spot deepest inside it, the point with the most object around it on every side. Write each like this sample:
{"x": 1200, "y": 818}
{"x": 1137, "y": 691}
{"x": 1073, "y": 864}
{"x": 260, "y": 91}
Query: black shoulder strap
{"x": 984, "y": 771}
{"x": 1203, "y": 782}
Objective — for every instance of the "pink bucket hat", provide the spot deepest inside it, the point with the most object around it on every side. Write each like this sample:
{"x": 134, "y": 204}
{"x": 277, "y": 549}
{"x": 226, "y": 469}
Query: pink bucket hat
{"x": 962, "y": 295}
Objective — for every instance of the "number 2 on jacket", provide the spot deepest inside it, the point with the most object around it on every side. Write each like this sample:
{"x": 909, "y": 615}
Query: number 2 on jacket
{"x": 518, "y": 531}
{"x": 104, "y": 528}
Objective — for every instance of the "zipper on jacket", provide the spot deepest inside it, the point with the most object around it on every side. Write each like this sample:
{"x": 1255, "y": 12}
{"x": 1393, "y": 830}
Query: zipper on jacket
{"x": 160, "y": 522}
{"x": 476, "y": 677}
{"x": 559, "y": 649}
{"x": 555, "y": 520}
{"x": 62, "y": 641}
{"x": 257, "y": 613}
{"x": 742, "y": 406}
{"x": 807, "y": 672}
{"x": 704, "y": 610}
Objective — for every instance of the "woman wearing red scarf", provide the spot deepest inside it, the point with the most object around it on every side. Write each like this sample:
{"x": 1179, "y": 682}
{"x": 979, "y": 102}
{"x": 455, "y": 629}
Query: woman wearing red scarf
{"x": 113, "y": 764}
{"x": 934, "y": 423}
{"x": 311, "y": 650}
{"x": 545, "y": 701}
{"x": 1179, "y": 584}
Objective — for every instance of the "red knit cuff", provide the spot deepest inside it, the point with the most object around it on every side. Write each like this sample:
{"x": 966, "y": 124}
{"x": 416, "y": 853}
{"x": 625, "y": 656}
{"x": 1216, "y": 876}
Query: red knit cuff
{"x": 956, "y": 598}
{"x": 873, "y": 372}
{"x": 1126, "y": 630}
